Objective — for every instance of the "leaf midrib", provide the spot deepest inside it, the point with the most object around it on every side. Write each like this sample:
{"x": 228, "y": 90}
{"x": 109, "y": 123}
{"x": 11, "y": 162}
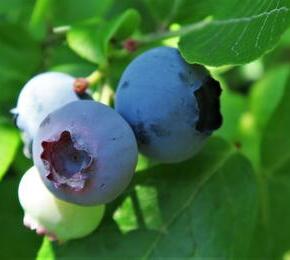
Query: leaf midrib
{"x": 207, "y": 176}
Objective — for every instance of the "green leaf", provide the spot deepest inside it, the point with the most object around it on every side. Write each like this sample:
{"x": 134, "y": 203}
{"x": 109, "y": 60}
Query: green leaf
{"x": 75, "y": 69}
{"x": 37, "y": 23}
{"x": 6, "y": 7}
{"x": 9, "y": 141}
{"x": 264, "y": 98}
{"x": 16, "y": 11}
{"x": 20, "y": 163}
{"x": 91, "y": 41}
{"x": 17, "y": 242}
{"x": 204, "y": 207}
{"x": 271, "y": 121}
{"x": 271, "y": 240}
{"x": 280, "y": 54}
{"x": 277, "y": 216}
{"x": 275, "y": 143}
{"x": 145, "y": 163}
{"x": 233, "y": 105}
{"x": 163, "y": 11}
{"x": 20, "y": 58}
{"x": 271, "y": 88}
{"x": 237, "y": 33}
{"x": 179, "y": 11}
{"x": 63, "y": 55}
{"x": 67, "y": 12}
{"x": 148, "y": 23}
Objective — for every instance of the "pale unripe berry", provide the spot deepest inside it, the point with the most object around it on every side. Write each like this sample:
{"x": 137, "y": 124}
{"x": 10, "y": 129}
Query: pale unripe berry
{"x": 57, "y": 219}
{"x": 40, "y": 96}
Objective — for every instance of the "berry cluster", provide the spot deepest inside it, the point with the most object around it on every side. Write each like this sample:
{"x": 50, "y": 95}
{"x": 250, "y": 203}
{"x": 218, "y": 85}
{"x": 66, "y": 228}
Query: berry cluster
{"x": 85, "y": 152}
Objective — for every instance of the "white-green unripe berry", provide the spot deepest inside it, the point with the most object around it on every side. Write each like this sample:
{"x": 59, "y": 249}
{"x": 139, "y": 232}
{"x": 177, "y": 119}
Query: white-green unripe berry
{"x": 57, "y": 219}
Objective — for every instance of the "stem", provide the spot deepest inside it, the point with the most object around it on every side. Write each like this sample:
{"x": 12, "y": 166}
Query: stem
{"x": 61, "y": 29}
{"x": 38, "y": 13}
{"x": 137, "y": 210}
{"x": 152, "y": 37}
{"x": 82, "y": 84}
{"x": 172, "y": 13}
{"x": 106, "y": 94}
{"x": 94, "y": 77}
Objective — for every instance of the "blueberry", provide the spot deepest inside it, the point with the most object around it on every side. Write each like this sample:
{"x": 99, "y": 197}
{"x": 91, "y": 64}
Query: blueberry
{"x": 85, "y": 152}
{"x": 57, "y": 219}
{"x": 41, "y": 95}
{"x": 172, "y": 106}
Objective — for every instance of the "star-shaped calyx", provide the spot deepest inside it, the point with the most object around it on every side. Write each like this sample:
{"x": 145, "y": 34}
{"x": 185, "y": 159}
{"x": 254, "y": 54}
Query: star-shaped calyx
{"x": 65, "y": 163}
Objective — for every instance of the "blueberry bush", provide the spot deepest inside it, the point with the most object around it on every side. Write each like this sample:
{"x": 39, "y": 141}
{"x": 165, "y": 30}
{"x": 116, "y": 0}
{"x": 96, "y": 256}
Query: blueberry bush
{"x": 144, "y": 129}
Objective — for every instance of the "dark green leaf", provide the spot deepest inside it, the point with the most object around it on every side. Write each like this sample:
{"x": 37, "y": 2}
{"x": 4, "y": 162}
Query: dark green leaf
{"x": 264, "y": 99}
{"x": 20, "y": 58}
{"x": 280, "y": 54}
{"x": 75, "y": 69}
{"x": 148, "y": 23}
{"x": 40, "y": 13}
{"x": 204, "y": 207}
{"x": 163, "y": 11}
{"x": 16, "y": 11}
{"x": 8, "y": 6}
{"x": 180, "y": 11}
{"x": 17, "y": 242}
{"x": 276, "y": 142}
{"x": 237, "y": 33}
{"x": 270, "y": 114}
{"x": 91, "y": 41}
{"x": 67, "y": 12}
{"x": 267, "y": 93}
{"x": 271, "y": 240}
{"x": 233, "y": 105}
{"x": 9, "y": 141}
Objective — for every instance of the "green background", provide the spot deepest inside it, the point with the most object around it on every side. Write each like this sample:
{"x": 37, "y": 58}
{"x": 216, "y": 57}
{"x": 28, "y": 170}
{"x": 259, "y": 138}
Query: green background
{"x": 232, "y": 200}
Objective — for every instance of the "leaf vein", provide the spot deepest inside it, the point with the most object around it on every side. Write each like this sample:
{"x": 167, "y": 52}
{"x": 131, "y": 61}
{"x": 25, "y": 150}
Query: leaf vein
{"x": 250, "y": 18}
{"x": 199, "y": 187}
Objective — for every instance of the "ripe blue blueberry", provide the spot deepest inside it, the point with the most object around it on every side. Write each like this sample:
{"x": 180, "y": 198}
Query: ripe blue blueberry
{"x": 85, "y": 152}
{"x": 41, "y": 95}
{"x": 172, "y": 106}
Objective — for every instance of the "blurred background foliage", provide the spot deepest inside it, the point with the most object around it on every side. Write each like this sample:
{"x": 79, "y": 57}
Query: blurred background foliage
{"x": 232, "y": 200}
